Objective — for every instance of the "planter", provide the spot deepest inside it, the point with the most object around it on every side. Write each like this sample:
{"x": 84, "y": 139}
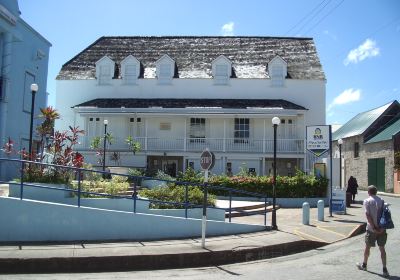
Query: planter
{"x": 151, "y": 184}
{"x": 38, "y": 193}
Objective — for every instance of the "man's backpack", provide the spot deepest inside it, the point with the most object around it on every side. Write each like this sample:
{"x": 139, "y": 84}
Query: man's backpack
{"x": 386, "y": 221}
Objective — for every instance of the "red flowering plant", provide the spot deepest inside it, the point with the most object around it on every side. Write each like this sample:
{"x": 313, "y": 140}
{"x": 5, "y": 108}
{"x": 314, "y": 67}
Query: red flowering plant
{"x": 59, "y": 150}
{"x": 8, "y": 147}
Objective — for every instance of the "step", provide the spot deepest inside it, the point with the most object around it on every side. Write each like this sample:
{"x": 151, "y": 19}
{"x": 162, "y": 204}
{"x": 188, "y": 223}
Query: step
{"x": 250, "y": 207}
{"x": 243, "y": 213}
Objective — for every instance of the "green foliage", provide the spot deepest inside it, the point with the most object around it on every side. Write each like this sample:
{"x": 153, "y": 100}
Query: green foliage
{"x": 95, "y": 143}
{"x": 163, "y": 176}
{"x": 135, "y": 172}
{"x": 39, "y": 174}
{"x": 91, "y": 176}
{"x": 301, "y": 185}
{"x": 174, "y": 193}
{"x": 190, "y": 175}
{"x": 115, "y": 186}
{"x": 133, "y": 145}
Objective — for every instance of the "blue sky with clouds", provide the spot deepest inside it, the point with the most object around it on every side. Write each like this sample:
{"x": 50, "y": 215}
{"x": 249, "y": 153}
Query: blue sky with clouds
{"x": 358, "y": 41}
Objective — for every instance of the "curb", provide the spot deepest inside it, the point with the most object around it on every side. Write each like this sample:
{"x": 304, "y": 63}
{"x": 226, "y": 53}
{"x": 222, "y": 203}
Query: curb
{"x": 152, "y": 262}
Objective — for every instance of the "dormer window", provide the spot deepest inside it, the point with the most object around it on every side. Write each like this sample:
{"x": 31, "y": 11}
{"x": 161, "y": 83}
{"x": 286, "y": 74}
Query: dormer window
{"x": 222, "y": 70}
{"x": 130, "y": 70}
{"x": 165, "y": 67}
{"x": 277, "y": 69}
{"x": 105, "y": 70}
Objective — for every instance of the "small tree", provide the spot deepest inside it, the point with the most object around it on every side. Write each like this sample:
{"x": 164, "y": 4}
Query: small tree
{"x": 95, "y": 145}
{"x": 134, "y": 146}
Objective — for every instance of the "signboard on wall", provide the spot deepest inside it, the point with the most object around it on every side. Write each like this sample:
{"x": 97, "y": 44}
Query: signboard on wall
{"x": 317, "y": 139}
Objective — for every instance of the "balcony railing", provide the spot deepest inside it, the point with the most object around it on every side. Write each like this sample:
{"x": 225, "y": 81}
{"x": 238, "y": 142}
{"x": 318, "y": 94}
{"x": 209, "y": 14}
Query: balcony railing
{"x": 247, "y": 145}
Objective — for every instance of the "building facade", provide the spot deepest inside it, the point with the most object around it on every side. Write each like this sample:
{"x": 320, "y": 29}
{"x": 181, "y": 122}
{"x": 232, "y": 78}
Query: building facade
{"x": 370, "y": 141}
{"x": 180, "y": 95}
{"x": 24, "y": 56}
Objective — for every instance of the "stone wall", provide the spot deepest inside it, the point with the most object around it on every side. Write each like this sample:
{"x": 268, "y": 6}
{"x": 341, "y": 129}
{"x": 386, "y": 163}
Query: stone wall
{"x": 358, "y": 167}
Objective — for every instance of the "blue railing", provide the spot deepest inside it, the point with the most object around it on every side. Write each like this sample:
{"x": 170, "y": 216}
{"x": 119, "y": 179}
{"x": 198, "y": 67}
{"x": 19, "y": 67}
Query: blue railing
{"x": 78, "y": 172}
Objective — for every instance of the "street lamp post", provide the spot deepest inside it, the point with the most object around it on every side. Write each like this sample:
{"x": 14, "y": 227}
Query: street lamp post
{"x": 34, "y": 89}
{"x": 275, "y": 121}
{"x": 340, "y": 142}
{"x": 104, "y": 147}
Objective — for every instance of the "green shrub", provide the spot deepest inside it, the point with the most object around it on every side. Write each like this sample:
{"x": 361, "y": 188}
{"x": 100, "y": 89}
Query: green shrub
{"x": 190, "y": 175}
{"x": 301, "y": 185}
{"x": 118, "y": 186}
{"x": 174, "y": 193}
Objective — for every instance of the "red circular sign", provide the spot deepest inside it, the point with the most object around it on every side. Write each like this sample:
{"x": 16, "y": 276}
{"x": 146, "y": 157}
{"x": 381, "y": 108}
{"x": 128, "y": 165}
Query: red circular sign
{"x": 206, "y": 160}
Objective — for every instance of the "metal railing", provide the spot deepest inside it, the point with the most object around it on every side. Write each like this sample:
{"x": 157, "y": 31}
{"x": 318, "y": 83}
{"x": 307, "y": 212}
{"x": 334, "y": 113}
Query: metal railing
{"x": 79, "y": 172}
{"x": 248, "y": 145}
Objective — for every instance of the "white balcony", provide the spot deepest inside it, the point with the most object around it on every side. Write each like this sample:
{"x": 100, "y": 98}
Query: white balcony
{"x": 239, "y": 145}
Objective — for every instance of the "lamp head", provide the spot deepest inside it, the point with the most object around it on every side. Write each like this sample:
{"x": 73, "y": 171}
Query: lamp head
{"x": 340, "y": 141}
{"x": 276, "y": 121}
{"x": 34, "y": 88}
{"x": 105, "y": 122}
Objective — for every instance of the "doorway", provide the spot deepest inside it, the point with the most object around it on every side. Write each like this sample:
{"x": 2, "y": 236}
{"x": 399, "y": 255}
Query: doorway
{"x": 376, "y": 173}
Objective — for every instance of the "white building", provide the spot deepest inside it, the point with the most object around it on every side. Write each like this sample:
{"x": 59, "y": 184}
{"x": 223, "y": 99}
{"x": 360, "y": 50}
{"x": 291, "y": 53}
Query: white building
{"x": 24, "y": 57}
{"x": 179, "y": 95}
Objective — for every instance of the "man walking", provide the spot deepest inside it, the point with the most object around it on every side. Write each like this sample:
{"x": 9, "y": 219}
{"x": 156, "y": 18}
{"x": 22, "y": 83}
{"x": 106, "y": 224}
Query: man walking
{"x": 373, "y": 209}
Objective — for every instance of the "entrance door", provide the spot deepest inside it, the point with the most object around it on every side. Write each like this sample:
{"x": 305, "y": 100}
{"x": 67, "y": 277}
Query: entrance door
{"x": 376, "y": 173}
{"x": 170, "y": 167}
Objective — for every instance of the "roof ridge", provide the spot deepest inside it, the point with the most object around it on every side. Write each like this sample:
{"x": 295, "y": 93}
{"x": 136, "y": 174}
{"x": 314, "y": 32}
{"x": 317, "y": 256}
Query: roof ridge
{"x": 205, "y": 36}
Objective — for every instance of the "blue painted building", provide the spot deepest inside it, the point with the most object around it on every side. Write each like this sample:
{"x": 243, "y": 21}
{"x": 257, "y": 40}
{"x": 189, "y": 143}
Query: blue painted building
{"x": 24, "y": 56}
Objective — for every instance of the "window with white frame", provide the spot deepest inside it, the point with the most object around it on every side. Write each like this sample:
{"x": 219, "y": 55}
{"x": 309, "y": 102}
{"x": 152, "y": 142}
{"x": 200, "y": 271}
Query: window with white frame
{"x": 221, "y": 74}
{"x": 277, "y": 75}
{"x": 105, "y": 70}
{"x": 130, "y": 70}
{"x": 197, "y": 129}
{"x": 105, "y": 74}
{"x": 130, "y": 75}
{"x": 241, "y": 130}
{"x": 93, "y": 127}
{"x": 277, "y": 70}
{"x": 165, "y": 69}
{"x": 136, "y": 127}
{"x": 221, "y": 70}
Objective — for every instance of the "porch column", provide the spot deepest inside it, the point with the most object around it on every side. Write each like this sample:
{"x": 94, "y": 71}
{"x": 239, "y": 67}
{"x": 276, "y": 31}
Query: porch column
{"x": 265, "y": 132}
{"x": 145, "y": 134}
{"x": 224, "y": 141}
{"x": 184, "y": 137}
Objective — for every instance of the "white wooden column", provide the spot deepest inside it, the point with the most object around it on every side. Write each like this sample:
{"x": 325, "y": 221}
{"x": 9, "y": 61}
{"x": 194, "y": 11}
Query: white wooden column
{"x": 145, "y": 134}
{"x": 184, "y": 137}
{"x": 265, "y": 133}
{"x": 224, "y": 141}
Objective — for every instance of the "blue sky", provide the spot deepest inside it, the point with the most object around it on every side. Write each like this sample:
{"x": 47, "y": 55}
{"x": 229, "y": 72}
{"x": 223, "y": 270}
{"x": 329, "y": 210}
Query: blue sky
{"x": 358, "y": 41}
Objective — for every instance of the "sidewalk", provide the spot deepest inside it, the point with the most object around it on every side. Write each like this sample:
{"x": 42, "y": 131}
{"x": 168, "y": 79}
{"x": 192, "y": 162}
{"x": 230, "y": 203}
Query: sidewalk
{"x": 291, "y": 237}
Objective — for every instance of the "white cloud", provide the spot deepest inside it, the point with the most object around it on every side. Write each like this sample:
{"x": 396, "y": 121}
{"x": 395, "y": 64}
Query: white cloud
{"x": 347, "y": 96}
{"x": 227, "y": 29}
{"x": 367, "y": 49}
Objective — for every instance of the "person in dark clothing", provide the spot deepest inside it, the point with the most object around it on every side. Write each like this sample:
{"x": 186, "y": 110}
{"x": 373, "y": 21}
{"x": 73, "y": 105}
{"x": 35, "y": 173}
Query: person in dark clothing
{"x": 352, "y": 186}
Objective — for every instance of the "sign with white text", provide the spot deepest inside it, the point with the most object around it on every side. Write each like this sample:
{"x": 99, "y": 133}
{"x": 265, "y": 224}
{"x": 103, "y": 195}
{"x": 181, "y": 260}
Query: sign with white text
{"x": 317, "y": 139}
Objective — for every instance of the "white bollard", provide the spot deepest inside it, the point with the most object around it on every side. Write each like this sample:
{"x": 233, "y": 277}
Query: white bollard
{"x": 321, "y": 205}
{"x": 306, "y": 213}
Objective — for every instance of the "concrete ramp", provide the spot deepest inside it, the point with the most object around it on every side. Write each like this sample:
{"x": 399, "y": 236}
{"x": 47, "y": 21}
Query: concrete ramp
{"x": 30, "y": 220}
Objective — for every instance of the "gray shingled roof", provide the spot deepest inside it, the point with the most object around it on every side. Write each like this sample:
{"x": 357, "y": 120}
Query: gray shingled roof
{"x": 185, "y": 103}
{"x": 194, "y": 55}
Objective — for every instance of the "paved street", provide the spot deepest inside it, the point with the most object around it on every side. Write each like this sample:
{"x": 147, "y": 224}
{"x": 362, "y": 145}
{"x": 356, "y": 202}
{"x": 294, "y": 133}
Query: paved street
{"x": 335, "y": 261}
